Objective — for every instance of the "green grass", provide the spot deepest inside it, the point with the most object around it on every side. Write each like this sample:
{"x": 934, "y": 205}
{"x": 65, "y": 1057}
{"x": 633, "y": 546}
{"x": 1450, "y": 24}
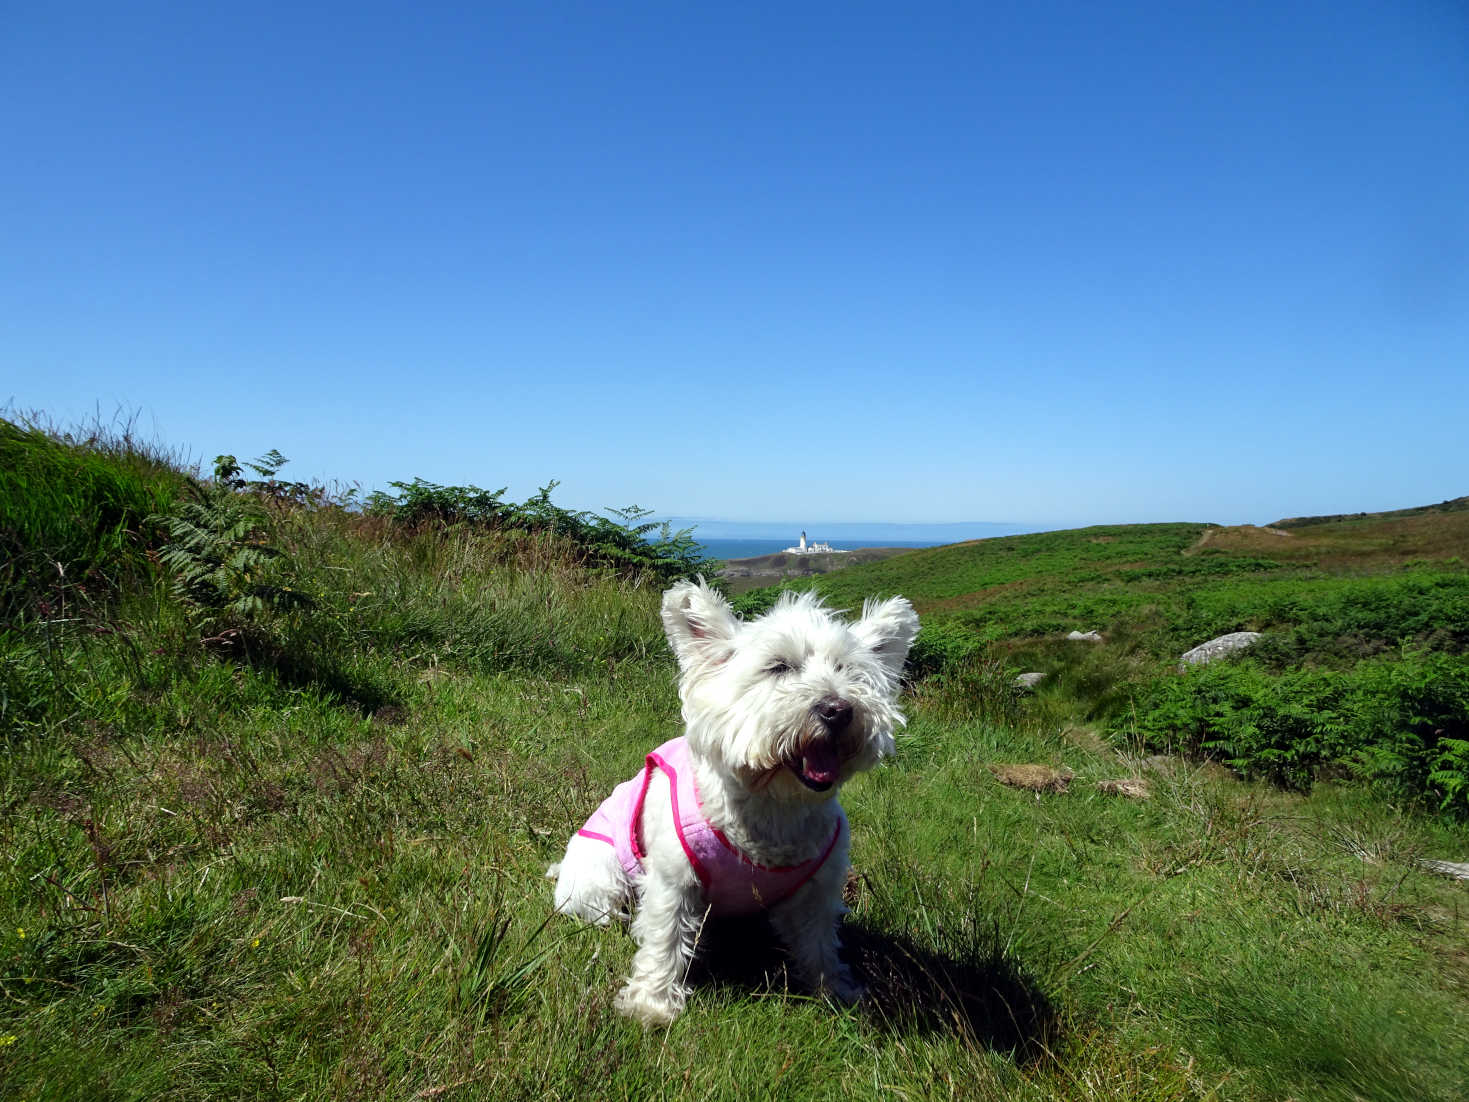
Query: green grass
{"x": 1362, "y": 668}
{"x": 74, "y": 509}
{"x": 1181, "y": 584}
{"x": 287, "y": 898}
{"x": 315, "y": 870}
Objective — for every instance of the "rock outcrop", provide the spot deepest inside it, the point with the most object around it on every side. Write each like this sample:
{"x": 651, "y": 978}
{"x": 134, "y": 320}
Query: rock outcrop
{"x": 1458, "y": 870}
{"x": 1205, "y": 653}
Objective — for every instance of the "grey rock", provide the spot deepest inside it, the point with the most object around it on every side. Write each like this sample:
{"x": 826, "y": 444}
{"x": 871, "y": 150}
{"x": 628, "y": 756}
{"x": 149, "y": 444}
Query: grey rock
{"x": 1134, "y": 788}
{"x": 1459, "y": 870}
{"x": 1205, "y": 653}
{"x": 1085, "y": 636}
{"x": 1029, "y": 680}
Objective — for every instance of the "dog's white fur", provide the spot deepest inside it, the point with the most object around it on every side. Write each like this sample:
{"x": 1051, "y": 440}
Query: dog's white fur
{"x": 754, "y": 696}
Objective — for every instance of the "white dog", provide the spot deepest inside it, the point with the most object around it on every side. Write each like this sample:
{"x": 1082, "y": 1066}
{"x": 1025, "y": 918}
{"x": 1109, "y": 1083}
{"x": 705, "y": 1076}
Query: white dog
{"x": 740, "y": 814}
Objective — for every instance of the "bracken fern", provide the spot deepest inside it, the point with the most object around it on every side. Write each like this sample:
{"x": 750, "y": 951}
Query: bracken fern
{"x": 224, "y": 566}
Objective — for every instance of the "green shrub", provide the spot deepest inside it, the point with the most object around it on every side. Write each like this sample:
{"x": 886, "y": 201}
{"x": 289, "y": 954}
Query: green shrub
{"x": 226, "y": 569}
{"x": 1279, "y": 727}
{"x": 1336, "y": 620}
{"x": 625, "y": 542}
{"x": 1408, "y": 709}
{"x": 1451, "y": 776}
{"x": 420, "y": 503}
{"x": 756, "y": 602}
{"x": 1395, "y": 721}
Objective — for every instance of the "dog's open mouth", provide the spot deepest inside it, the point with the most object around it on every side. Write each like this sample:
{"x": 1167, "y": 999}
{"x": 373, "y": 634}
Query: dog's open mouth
{"x": 817, "y": 765}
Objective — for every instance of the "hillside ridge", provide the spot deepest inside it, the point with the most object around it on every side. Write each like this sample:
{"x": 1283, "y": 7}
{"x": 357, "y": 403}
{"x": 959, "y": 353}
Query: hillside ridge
{"x": 1452, "y": 505}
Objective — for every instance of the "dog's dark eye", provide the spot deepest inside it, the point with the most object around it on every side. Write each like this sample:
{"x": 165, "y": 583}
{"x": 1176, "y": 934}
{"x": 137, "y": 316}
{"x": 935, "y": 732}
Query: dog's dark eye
{"x": 777, "y": 668}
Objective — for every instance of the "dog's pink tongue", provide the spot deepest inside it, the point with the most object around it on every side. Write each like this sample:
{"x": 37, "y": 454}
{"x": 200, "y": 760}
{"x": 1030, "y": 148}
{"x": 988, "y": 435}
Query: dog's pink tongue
{"x": 821, "y": 762}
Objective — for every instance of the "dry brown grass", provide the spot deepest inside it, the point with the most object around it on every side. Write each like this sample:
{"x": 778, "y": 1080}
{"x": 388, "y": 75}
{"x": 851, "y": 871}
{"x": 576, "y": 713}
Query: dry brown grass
{"x": 1358, "y": 541}
{"x": 1032, "y": 777}
{"x": 1134, "y": 788}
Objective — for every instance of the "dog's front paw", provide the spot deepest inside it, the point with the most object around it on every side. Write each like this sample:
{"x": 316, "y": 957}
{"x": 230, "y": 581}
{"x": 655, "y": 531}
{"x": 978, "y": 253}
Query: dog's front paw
{"x": 845, "y": 988}
{"x": 654, "y": 1009}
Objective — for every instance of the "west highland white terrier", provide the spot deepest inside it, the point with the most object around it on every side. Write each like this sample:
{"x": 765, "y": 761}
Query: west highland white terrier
{"x": 739, "y": 814}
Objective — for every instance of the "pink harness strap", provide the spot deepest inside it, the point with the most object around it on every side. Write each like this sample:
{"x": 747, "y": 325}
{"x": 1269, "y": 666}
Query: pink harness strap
{"x": 733, "y": 884}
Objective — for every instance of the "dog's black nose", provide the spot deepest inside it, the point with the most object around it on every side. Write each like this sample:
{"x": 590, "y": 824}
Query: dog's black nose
{"x": 833, "y": 711}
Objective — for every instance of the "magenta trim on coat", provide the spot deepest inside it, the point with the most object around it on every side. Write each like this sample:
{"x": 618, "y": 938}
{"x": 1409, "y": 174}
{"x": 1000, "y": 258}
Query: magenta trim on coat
{"x": 733, "y": 884}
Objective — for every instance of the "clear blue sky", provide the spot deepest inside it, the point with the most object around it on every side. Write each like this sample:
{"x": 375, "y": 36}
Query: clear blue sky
{"x": 1041, "y": 262}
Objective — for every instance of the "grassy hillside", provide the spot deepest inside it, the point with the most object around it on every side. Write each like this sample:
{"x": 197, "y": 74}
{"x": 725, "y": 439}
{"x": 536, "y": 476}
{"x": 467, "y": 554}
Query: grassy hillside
{"x": 269, "y": 846}
{"x": 1192, "y": 579}
{"x": 741, "y": 575}
{"x": 1362, "y": 668}
{"x": 1457, "y": 504}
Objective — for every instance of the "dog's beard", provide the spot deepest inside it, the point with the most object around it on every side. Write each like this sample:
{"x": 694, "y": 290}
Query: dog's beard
{"x": 812, "y": 754}
{"x": 761, "y": 779}
{"x": 755, "y": 732}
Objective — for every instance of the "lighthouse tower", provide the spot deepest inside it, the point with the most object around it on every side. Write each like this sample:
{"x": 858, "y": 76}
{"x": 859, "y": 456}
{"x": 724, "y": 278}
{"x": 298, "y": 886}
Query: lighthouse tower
{"x": 803, "y": 540}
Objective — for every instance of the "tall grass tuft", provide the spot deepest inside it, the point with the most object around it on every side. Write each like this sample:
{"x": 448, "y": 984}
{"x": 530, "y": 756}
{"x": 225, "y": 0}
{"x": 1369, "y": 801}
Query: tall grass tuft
{"x": 74, "y": 509}
{"x": 625, "y": 541}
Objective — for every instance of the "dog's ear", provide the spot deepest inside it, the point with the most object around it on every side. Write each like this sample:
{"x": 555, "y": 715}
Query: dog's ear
{"x": 699, "y": 623}
{"x": 887, "y": 628}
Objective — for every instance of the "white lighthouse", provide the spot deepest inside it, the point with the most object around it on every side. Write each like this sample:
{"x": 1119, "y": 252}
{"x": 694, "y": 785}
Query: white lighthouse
{"x": 820, "y": 547}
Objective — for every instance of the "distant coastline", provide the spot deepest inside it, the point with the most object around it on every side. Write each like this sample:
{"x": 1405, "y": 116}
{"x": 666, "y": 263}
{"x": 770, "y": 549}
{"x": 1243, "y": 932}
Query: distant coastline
{"x": 717, "y": 548}
{"x": 847, "y": 532}
{"x": 745, "y": 539}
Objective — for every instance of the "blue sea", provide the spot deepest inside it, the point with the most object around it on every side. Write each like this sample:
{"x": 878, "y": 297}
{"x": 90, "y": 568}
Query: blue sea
{"x": 745, "y": 539}
{"x": 749, "y": 548}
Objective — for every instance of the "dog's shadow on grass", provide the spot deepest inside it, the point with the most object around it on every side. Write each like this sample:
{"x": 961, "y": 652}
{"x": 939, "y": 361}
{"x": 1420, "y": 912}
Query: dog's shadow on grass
{"x": 966, "y": 989}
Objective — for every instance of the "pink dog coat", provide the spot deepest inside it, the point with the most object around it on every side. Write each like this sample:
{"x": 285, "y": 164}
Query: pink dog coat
{"x": 733, "y": 884}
